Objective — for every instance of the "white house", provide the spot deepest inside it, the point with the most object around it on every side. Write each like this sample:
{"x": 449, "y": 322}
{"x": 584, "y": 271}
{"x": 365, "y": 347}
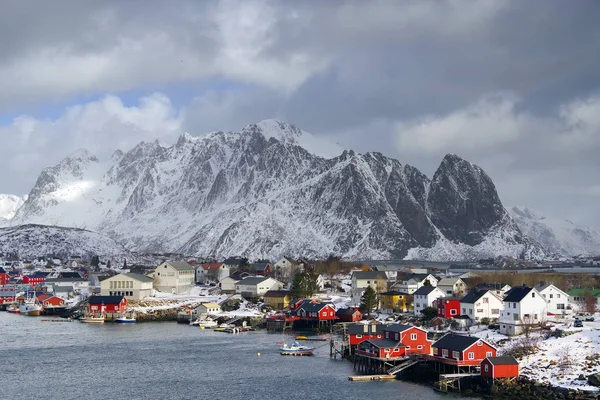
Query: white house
{"x": 557, "y": 301}
{"x": 174, "y": 277}
{"x": 390, "y": 271}
{"x": 452, "y": 286}
{"x": 523, "y": 306}
{"x": 211, "y": 272}
{"x": 478, "y": 304}
{"x": 207, "y": 308}
{"x": 227, "y": 284}
{"x": 131, "y": 286}
{"x": 425, "y": 296}
{"x": 286, "y": 267}
{"x": 410, "y": 283}
{"x": 363, "y": 279}
{"x": 256, "y": 286}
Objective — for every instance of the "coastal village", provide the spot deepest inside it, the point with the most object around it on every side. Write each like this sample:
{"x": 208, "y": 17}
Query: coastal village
{"x": 388, "y": 319}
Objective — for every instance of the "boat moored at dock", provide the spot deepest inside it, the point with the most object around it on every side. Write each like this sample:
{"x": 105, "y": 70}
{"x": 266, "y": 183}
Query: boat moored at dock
{"x": 295, "y": 349}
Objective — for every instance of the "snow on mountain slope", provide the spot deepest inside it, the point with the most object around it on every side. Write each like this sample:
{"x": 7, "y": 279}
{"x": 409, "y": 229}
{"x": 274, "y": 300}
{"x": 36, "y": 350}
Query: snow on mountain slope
{"x": 557, "y": 235}
{"x": 262, "y": 194}
{"x": 29, "y": 241}
{"x": 9, "y": 204}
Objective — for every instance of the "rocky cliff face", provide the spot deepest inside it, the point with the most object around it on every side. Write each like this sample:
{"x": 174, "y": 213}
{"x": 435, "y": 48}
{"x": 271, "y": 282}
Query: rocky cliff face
{"x": 264, "y": 192}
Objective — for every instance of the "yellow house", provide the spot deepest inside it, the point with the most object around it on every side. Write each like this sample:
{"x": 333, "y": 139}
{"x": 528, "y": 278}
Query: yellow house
{"x": 394, "y": 301}
{"x": 278, "y": 299}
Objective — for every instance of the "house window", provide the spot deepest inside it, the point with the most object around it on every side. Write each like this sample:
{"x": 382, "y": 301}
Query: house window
{"x": 551, "y": 296}
{"x": 485, "y": 300}
{"x": 471, "y": 355}
{"x": 419, "y": 347}
{"x": 413, "y": 336}
{"x": 488, "y": 354}
{"x": 479, "y": 343}
{"x": 560, "y": 306}
{"x": 464, "y": 310}
{"x": 358, "y": 336}
{"x": 558, "y": 296}
{"x": 455, "y": 355}
{"x": 532, "y": 295}
{"x": 495, "y": 311}
{"x": 452, "y": 312}
{"x": 444, "y": 353}
{"x": 486, "y": 368}
{"x": 397, "y": 338}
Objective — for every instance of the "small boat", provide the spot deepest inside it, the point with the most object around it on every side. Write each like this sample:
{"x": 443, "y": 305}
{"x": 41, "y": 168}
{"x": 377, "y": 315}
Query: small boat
{"x": 295, "y": 349}
{"x": 93, "y": 319}
{"x": 13, "y": 309}
{"x": 125, "y": 318}
{"x": 30, "y": 308}
{"x": 205, "y": 323}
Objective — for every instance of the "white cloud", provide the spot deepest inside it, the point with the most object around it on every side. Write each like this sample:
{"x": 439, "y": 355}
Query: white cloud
{"x": 484, "y": 125}
{"x": 101, "y": 126}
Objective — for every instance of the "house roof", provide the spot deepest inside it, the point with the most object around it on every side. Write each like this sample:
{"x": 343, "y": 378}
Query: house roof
{"x": 448, "y": 281}
{"x": 543, "y": 286}
{"x": 346, "y": 311}
{"x": 517, "y": 294}
{"x": 394, "y": 293}
{"x": 384, "y": 268}
{"x": 396, "y": 328}
{"x": 369, "y": 275}
{"x": 211, "y": 266}
{"x": 385, "y": 343}
{"x": 232, "y": 261}
{"x": 259, "y": 266}
{"x": 473, "y": 296}
{"x": 312, "y": 306}
{"x": 63, "y": 289}
{"x": 359, "y": 329}
{"x": 416, "y": 277}
{"x": 277, "y": 293}
{"x": 424, "y": 290}
{"x": 70, "y": 274}
{"x": 456, "y": 342}
{"x": 2, "y": 271}
{"x": 139, "y": 277}
{"x": 57, "y": 280}
{"x": 180, "y": 265}
{"x": 490, "y": 286}
{"x": 252, "y": 280}
{"x": 210, "y": 304}
{"x": 105, "y": 299}
{"x": 504, "y": 360}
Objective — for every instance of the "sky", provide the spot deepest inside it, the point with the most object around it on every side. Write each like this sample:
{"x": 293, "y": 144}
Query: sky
{"x": 512, "y": 86}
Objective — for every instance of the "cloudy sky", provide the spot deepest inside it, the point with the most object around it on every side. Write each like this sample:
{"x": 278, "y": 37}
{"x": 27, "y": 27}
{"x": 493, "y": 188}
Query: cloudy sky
{"x": 513, "y": 86}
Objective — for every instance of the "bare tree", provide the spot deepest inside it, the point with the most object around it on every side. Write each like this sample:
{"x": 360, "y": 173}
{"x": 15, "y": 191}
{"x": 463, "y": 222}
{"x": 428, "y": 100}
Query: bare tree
{"x": 589, "y": 302}
{"x": 564, "y": 359}
{"x": 527, "y": 325}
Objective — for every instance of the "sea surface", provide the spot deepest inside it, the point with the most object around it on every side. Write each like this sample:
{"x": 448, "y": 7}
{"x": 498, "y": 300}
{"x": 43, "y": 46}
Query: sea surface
{"x": 41, "y": 359}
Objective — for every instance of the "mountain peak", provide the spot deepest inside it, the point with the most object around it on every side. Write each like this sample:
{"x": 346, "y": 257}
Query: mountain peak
{"x": 272, "y": 128}
{"x": 81, "y": 154}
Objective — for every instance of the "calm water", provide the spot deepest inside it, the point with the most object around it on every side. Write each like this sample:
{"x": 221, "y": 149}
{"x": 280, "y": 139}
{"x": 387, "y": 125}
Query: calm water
{"x": 72, "y": 360}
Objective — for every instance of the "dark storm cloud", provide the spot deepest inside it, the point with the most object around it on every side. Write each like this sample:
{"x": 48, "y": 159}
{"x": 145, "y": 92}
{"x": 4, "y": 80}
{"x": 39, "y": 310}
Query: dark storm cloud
{"x": 510, "y": 85}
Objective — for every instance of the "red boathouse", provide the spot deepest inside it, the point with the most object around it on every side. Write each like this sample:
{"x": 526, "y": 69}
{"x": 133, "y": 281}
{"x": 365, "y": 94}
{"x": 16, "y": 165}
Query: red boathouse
{"x": 461, "y": 351}
{"x": 500, "y": 367}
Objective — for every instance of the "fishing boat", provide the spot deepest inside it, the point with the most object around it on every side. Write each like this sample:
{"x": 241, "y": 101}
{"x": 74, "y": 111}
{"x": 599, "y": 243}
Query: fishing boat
{"x": 30, "y": 308}
{"x": 205, "y": 323}
{"x": 295, "y": 349}
{"x": 126, "y": 318}
{"x": 93, "y": 319}
{"x": 13, "y": 309}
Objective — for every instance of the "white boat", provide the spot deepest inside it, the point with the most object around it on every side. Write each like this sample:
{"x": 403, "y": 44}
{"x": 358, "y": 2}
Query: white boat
{"x": 30, "y": 308}
{"x": 295, "y": 349}
{"x": 205, "y": 323}
{"x": 93, "y": 319}
{"x": 126, "y": 318}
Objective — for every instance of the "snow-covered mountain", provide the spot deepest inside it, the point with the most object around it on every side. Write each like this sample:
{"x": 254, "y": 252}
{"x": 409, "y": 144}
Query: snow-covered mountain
{"x": 273, "y": 189}
{"x": 9, "y": 203}
{"x": 557, "y": 235}
{"x": 30, "y": 241}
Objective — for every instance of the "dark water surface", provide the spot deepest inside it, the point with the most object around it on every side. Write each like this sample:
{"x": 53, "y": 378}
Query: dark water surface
{"x": 73, "y": 360}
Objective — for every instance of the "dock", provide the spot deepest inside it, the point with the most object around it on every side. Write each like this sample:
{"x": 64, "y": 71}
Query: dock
{"x": 364, "y": 378}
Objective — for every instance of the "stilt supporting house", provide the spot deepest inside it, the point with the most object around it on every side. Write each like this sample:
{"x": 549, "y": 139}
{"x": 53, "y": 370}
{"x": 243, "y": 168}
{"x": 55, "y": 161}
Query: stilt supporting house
{"x": 339, "y": 347}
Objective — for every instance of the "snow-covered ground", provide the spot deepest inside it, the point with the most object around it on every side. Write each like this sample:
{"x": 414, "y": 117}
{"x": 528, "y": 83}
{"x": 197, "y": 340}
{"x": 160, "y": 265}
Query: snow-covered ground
{"x": 558, "y": 361}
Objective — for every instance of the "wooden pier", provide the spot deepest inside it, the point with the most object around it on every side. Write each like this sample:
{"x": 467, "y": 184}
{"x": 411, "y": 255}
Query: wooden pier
{"x": 364, "y": 378}
{"x": 451, "y": 382}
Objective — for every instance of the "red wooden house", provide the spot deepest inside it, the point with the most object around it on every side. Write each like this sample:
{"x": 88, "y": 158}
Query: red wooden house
{"x": 460, "y": 350}
{"x": 51, "y": 301}
{"x": 7, "y": 295}
{"x": 448, "y": 307}
{"x": 349, "y": 315}
{"x": 313, "y": 310}
{"x": 398, "y": 342}
{"x": 358, "y": 333}
{"x": 107, "y": 304}
{"x": 4, "y": 277}
{"x": 500, "y": 367}
{"x": 413, "y": 338}
{"x": 35, "y": 279}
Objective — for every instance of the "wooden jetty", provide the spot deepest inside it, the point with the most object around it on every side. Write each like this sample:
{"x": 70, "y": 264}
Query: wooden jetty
{"x": 451, "y": 382}
{"x": 364, "y": 378}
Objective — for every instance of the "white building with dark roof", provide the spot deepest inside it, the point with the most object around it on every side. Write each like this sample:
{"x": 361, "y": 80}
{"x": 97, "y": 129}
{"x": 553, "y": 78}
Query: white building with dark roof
{"x": 174, "y": 277}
